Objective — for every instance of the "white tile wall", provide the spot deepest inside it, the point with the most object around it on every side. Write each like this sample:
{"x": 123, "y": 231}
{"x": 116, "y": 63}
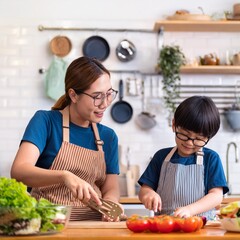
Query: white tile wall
{"x": 24, "y": 49}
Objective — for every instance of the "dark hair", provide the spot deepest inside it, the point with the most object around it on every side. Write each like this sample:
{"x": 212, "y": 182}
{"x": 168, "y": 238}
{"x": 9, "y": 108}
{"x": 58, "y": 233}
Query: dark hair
{"x": 198, "y": 114}
{"x": 80, "y": 75}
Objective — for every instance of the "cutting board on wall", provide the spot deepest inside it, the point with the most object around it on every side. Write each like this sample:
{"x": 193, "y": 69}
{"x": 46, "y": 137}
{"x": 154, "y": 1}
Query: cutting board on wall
{"x": 96, "y": 224}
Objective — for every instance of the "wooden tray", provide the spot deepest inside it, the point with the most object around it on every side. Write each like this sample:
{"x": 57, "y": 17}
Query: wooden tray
{"x": 96, "y": 224}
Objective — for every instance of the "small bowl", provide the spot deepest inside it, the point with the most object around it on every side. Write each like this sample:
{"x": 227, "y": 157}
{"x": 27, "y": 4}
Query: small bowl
{"x": 231, "y": 224}
{"x": 33, "y": 221}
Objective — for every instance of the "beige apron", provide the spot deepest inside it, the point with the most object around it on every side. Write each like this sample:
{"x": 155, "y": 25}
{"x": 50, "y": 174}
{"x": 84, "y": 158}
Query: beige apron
{"x": 180, "y": 185}
{"x": 87, "y": 164}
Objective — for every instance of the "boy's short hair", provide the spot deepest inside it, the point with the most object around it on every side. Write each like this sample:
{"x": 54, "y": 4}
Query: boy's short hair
{"x": 198, "y": 114}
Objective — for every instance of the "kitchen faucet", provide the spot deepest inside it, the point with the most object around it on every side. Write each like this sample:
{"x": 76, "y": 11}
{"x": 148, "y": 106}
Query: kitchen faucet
{"x": 227, "y": 161}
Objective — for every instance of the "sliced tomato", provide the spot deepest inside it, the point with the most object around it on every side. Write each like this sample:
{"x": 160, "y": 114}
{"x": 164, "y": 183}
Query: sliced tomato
{"x": 138, "y": 223}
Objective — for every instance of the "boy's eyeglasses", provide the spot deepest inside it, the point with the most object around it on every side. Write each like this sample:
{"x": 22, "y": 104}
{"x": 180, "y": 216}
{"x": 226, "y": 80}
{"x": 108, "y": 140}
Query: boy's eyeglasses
{"x": 99, "y": 98}
{"x": 196, "y": 142}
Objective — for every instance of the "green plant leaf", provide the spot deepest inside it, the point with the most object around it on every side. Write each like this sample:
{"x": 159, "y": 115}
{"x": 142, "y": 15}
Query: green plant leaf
{"x": 170, "y": 61}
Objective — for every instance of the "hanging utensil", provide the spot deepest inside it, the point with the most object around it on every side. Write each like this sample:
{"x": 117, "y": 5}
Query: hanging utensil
{"x": 145, "y": 120}
{"x": 121, "y": 111}
{"x": 126, "y": 51}
{"x": 96, "y": 47}
{"x": 160, "y": 38}
{"x": 60, "y": 46}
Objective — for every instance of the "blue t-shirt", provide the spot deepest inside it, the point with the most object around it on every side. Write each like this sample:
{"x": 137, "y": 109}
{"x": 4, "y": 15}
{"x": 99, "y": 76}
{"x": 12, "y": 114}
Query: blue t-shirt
{"x": 213, "y": 171}
{"x": 45, "y": 131}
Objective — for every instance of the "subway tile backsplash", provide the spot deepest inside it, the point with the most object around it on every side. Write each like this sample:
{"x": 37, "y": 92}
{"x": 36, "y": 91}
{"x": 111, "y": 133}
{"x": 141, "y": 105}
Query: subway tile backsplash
{"x": 24, "y": 50}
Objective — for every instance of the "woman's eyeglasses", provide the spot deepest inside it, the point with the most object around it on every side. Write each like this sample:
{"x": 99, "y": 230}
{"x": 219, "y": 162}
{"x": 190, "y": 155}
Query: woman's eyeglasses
{"x": 99, "y": 98}
{"x": 196, "y": 142}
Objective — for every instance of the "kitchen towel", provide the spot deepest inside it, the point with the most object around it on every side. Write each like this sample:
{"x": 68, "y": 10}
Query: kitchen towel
{"x": 54, "y": 78}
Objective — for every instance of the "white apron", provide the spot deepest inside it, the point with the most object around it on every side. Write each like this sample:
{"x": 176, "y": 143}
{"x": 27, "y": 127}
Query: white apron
{"x": 180, "y": 185}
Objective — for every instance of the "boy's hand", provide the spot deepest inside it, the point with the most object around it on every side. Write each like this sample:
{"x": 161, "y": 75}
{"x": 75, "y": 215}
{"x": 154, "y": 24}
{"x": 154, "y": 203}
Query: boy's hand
{"x": 152, "y": 201}
{"x": 182, "y": 212}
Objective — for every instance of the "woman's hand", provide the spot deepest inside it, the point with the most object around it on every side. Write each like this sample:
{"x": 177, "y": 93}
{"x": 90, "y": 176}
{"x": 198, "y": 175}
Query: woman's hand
{"x": 80, "y": 189}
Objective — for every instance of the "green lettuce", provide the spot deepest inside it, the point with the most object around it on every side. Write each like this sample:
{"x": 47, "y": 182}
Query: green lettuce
{"x": 14, "y": 194}
{"x": 18, "y": 205}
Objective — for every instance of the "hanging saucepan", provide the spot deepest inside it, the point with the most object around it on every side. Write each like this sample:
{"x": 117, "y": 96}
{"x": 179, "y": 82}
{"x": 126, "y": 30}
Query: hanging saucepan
{"x": 125, "y": 51}
{"x": 96, "y": 47}
{"x": 60, "y": 46}
{"x": 121, "y": 111}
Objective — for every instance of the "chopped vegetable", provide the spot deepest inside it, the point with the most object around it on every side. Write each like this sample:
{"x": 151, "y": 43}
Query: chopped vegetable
{"x": 232, "y": 210}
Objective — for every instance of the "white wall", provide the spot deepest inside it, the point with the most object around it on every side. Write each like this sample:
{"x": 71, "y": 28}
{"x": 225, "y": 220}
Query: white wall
{"x": 24, "y": 49}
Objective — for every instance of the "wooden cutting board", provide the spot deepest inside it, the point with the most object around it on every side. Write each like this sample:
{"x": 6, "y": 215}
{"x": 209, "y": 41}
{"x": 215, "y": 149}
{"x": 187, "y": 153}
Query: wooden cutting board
{"x": 96, "y": 224}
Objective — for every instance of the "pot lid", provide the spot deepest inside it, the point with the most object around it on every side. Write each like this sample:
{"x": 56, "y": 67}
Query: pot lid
{"x": 60, "y": 46}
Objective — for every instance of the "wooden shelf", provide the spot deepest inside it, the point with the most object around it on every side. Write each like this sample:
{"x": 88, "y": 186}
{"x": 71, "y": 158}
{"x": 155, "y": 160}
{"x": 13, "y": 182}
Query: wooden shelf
{"x": 211, "y": 69}
{"x": 197, "y": 26}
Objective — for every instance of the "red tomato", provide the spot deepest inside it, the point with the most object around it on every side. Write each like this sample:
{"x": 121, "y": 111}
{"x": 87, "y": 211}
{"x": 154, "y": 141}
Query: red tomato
{"x": 137, "y": 223}
{"x": 200, "y": 222}
{"x": 189, "y": 224}
{"x": 165, "y": 224}
{"x": 153, "y": 224}
{"x": 177, "y": 223}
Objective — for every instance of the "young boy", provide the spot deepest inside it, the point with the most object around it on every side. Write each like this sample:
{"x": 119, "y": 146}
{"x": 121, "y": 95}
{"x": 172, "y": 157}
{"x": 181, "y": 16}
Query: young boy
{"x": 188, "y": 179}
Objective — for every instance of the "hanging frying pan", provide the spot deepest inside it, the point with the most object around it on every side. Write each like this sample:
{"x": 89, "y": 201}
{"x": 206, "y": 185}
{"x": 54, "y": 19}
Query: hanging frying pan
{"x": 96, "y": 47}
{"x": 121, "y": 111}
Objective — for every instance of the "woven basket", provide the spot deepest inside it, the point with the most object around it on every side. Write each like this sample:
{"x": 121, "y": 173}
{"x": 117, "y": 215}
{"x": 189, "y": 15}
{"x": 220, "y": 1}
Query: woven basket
{"x": 60, "y": 46}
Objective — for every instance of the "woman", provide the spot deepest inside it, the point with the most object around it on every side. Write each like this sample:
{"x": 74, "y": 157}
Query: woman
{"x": 66, "y": 155}
{"x": 187, "y": 179}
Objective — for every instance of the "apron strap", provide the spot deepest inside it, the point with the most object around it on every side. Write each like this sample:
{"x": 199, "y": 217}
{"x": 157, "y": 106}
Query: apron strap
{"x": 170, "y": 154}
{"x": 65, "y": 113}
{"x": 98, "y": 141}
{"x": 199, "y": 155}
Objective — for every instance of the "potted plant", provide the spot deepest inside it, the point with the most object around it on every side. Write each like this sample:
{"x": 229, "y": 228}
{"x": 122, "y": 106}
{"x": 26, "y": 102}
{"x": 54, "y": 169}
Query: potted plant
{"x": 171, "y": 58}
